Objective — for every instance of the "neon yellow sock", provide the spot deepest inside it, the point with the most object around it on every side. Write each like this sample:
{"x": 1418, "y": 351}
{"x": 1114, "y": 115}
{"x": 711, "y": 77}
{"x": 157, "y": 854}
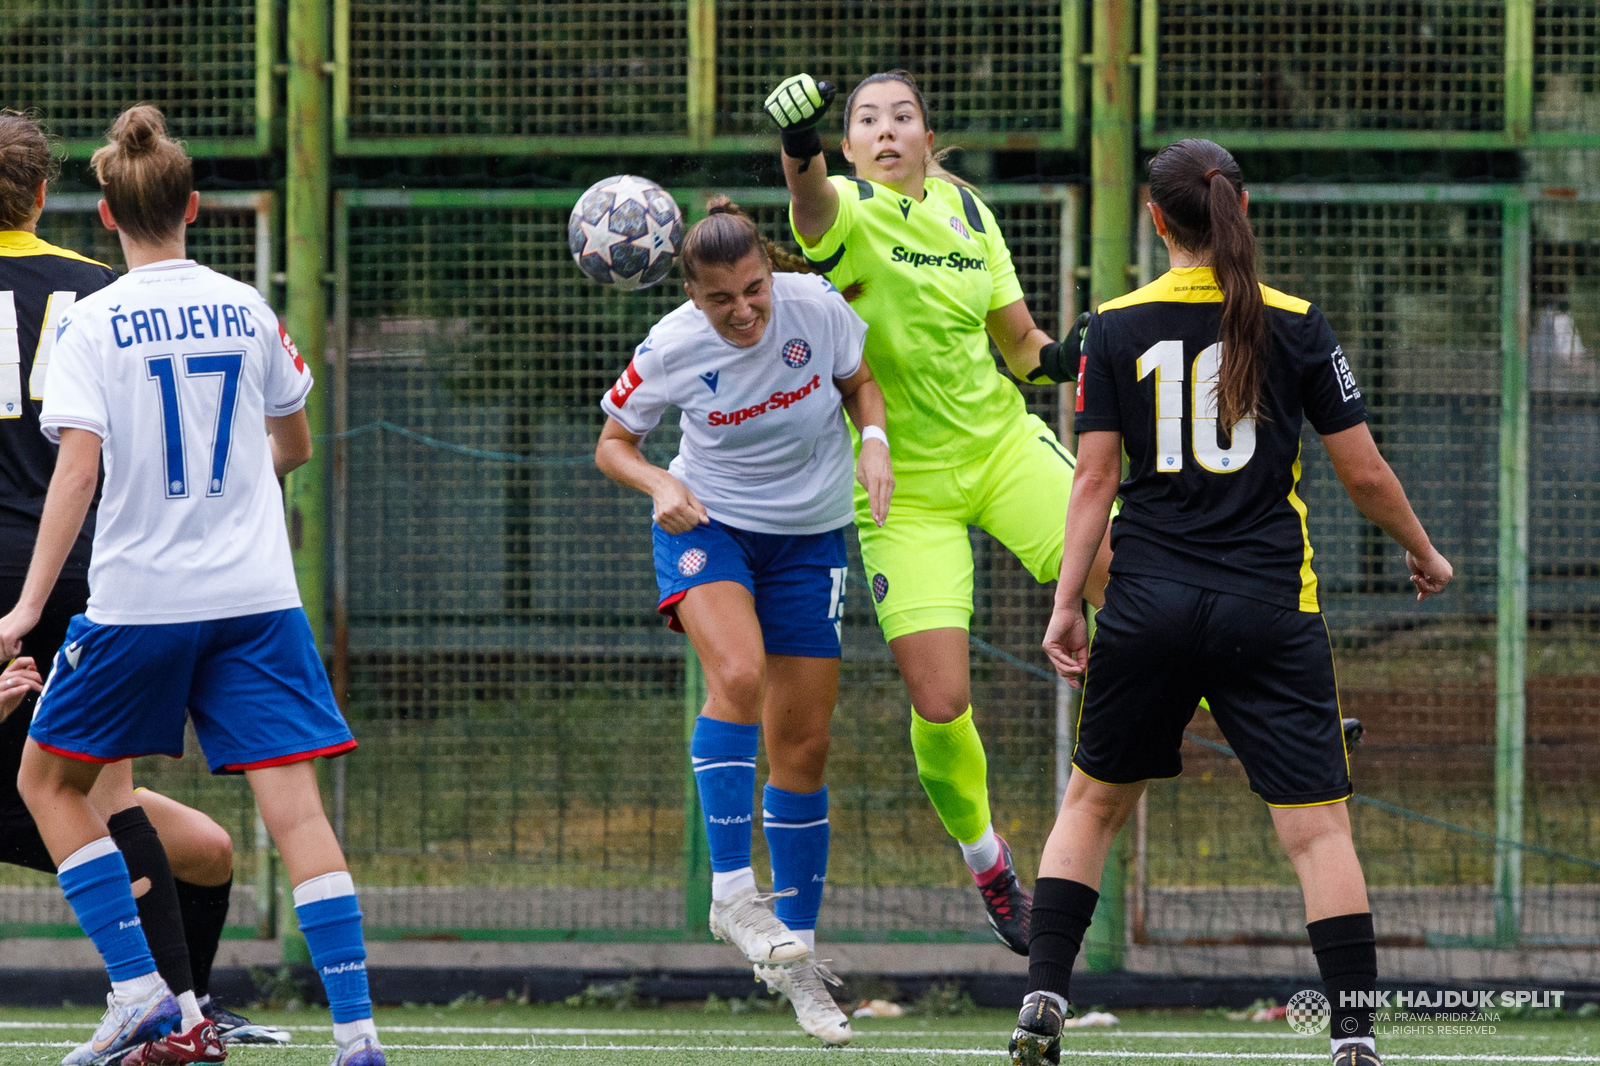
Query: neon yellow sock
{"x": 954, "y": 772}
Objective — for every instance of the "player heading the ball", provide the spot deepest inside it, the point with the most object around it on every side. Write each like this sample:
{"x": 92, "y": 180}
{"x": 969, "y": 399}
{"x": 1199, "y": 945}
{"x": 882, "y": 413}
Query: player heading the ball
{"x": 749, "y": 523}
{"x": 936, "y": 285}
{"x": 169, "y": 374}
{"x": 1206, "y": 377}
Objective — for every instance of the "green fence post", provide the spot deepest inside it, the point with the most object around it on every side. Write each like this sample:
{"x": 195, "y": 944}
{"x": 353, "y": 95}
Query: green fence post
{"x": 1511, "y": 622}
{"x": 306, "y": 318}
{"x": 1110, "y": 243}
{"x": 702, "y": 100}
{"x": 1518, "y": 99}
{"x": 696, "y": 850}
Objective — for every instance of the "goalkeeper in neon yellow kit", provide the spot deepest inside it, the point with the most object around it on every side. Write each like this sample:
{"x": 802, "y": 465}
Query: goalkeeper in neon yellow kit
{"x": 925, "y": 265}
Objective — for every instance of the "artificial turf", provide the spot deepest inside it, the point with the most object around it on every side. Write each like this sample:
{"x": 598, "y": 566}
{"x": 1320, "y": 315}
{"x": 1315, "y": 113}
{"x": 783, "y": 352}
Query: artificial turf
{"x": 495, "y": 1034}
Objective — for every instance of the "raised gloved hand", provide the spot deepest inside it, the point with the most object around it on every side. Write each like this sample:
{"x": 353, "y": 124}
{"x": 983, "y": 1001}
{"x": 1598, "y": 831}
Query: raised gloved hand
{"x": 797, "y": 105}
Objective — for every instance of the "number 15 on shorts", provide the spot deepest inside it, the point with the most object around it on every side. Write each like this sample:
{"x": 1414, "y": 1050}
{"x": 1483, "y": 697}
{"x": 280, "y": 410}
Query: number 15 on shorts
{"x": 836, "y": 599}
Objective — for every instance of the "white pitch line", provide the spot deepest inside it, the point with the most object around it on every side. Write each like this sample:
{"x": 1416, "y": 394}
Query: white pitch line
{"x": 962, "y": 1052}
{"x": 489, "y": 1030}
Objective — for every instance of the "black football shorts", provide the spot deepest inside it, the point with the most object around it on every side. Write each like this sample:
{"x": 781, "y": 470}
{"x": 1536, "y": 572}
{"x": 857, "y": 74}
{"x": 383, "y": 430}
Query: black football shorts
{"x": 1267, "y": 672}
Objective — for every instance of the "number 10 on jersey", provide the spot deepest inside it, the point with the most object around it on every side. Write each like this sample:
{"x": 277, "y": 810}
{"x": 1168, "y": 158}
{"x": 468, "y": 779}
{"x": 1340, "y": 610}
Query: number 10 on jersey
{"x": 1164, "y": 359}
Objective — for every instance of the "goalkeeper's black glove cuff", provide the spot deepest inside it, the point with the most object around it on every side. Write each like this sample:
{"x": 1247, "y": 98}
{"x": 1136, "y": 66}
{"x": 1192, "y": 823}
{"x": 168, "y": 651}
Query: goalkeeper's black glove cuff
{"x": 1058, "y": 360}
{"x": 801, "y": 144}
{"x": 1054, "y": 366}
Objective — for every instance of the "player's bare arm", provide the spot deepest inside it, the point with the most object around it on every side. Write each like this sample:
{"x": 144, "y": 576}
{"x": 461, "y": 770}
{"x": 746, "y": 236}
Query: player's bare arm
{"x": 290, "y": 439}
{"x": 20, "y": 677}
{"x": 1094, "y": 488}
{"x": 797, "y": 105}
{"x": 1013, "y": 331}
{"x": 71, "y": 492}
{"x": 863, "y": 402}
{"x": 675, "y": 508}
{"x": 1378, "y": 494}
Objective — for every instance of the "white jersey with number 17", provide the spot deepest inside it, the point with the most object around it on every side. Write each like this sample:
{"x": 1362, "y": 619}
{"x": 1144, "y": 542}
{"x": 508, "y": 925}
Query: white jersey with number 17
{"x": 174, "y": 367}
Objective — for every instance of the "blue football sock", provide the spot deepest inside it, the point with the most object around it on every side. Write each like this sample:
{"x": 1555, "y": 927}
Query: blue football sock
{"x": 724, "y": 759}
{"x": 796, "y": 824}
{"x": 330, "y": 918}
{"x": 95, "y": 880}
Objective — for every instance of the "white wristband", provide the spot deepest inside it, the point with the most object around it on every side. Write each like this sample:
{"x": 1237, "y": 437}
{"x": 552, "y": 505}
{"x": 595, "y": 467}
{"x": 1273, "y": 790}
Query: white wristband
{"x": 874, "y": 433}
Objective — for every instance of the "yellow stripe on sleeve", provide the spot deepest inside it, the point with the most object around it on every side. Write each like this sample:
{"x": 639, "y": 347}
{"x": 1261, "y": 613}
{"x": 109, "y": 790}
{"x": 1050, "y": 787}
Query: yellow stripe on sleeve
{"x": 1308, "y": 576}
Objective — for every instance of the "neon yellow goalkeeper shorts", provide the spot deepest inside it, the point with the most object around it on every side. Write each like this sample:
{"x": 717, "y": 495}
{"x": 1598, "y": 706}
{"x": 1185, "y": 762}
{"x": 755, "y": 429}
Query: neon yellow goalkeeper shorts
{"x": 919, "y": 565}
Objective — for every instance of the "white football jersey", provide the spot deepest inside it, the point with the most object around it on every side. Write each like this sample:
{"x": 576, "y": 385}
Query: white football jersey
{"x": 175, "y": 366}
{"x": 764, "y": 442}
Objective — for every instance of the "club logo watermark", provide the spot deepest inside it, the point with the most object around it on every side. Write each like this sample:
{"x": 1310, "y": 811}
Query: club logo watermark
{"x": 1308, "y": 1012}
{"x": 1423, "y": 1012}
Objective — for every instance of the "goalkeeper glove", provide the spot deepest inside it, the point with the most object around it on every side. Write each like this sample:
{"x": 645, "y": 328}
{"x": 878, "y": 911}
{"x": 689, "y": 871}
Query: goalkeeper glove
{"x": 1058, "y": 360}
{"x": 797, "y": 105}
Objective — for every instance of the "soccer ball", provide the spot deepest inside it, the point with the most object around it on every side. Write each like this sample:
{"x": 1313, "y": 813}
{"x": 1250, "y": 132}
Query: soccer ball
{"x": 625, "y": 231}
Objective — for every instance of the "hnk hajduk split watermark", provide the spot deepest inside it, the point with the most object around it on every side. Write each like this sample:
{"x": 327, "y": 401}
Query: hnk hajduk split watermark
{"x": 1443, "y": 1012}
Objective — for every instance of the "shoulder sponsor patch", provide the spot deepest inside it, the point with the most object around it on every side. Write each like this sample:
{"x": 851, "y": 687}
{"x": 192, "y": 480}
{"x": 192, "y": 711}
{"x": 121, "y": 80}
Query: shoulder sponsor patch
{"x": 1347, "y": 381}
{"x": 626, "y": 383}
{"x": 289, "y": 346}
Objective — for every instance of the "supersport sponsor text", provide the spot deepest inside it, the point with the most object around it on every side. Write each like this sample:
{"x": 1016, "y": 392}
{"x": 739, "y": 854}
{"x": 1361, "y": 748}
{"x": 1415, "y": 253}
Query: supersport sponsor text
{"x": 778, "y": 401}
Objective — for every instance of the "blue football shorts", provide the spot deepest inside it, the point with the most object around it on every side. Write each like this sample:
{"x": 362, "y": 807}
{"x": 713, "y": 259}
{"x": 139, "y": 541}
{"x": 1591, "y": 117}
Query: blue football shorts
{"x": 254, "y": 687}
{"x": 797, "y": 580}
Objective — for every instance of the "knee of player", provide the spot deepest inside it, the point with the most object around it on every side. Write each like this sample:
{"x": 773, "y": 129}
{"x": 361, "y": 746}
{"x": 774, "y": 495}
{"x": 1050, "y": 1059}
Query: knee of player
{"x": 806, "y": 755}
{"x": 1308, "y": 830}
{"x": 940, "y": 708}
{"x": 205, "y": 855}
{"x": 742, "y": 684}
{"x": 42, "y": 777}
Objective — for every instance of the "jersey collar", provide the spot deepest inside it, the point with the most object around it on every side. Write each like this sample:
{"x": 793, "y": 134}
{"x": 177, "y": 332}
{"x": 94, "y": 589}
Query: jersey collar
{"x": 165, "y": 264}
{"x": 20, "y": 240}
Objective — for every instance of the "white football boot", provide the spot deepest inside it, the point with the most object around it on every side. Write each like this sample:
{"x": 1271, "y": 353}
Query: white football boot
{"x": 745, "y": 921}
{"x": 127, "y": 1025}
{"x": 806, "y": 984}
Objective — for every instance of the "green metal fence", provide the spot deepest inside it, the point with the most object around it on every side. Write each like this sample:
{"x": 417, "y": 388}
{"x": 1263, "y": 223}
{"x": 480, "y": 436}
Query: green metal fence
{"x": 206, "y": 63}
{"x": 1439, "y": 73}
{"x": 605, "y": 76}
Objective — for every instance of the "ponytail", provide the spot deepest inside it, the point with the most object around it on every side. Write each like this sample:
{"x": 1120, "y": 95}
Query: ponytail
{"x": 1197, "y": 185}
{"x": 726, "y": 235}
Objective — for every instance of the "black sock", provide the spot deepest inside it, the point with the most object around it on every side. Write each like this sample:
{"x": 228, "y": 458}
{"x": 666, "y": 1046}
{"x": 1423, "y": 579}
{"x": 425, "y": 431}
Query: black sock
{"x": 141, "y": 849}
{"x": 1062, "y": 910}
{"x": 1346, "y": 947}
{"x": 205, "y": 912}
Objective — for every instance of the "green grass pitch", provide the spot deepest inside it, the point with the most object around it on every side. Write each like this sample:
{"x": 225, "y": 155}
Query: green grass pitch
{"x": 493, "y": 1035}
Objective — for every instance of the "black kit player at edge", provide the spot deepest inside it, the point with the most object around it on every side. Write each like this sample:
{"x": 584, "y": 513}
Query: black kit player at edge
{"x": 1202, "y": 382}
{"x": 31, "y": 271}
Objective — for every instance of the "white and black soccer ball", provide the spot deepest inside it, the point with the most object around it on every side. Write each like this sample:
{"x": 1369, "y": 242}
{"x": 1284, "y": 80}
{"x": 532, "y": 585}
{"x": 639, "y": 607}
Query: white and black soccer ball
{"x": 625, "y": 231}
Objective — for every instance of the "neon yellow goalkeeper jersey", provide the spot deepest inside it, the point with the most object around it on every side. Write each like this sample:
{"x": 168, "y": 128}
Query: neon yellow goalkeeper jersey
{"x": 931, "y": 272}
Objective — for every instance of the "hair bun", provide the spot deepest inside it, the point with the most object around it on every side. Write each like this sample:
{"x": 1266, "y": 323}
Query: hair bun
{"x": 139, "y": 129}
{"x": 723, "y": 205}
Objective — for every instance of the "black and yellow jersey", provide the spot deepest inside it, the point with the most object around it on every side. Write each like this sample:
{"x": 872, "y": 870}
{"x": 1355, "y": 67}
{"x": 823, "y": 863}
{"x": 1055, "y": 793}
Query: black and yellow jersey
{"x": 1197, "y": 507}
{"x": 38, "y": 281}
